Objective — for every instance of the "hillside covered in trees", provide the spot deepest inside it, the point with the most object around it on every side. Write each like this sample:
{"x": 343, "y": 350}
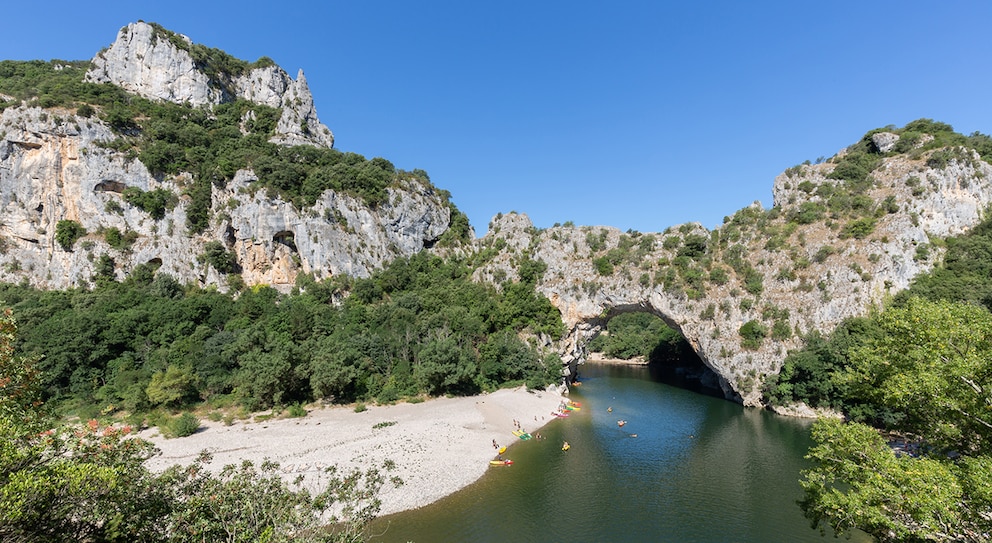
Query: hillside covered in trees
{"x": 420, "y": 326}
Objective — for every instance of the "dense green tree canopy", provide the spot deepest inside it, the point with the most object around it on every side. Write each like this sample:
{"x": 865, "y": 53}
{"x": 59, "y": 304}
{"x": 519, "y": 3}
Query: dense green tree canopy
{"x": 419, "y": 326}
{"x": 926, "y": 376}
{"x": 89, "y": 483}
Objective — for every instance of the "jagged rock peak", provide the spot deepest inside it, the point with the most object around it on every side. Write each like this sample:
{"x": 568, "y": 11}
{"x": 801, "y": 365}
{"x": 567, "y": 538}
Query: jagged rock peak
{"x": 158, "y": 64}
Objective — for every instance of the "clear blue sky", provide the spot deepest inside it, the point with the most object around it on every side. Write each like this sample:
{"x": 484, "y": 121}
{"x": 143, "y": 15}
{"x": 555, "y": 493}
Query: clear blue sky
{"x": 634, "y": 114}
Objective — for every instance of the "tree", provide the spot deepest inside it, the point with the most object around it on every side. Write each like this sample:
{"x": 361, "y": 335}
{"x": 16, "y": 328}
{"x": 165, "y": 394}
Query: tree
{"x": 752, "y": 334}
{"x": 215, "y": 254}
{"x": 334, "y": 370}
{"x": 927, "y": 377}
{"x": 859, "y": 482}
{"x": 172, "y": 387}
{"x": 929, "y": 370}
{"x": 445, "y": 366}
{"x": 504, "y": 357}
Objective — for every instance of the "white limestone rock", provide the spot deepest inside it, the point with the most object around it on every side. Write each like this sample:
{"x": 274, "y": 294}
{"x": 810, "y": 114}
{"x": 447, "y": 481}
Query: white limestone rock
{"x": 884, "y": 141}
{"x": 145, "y": 61}
{"x": 52, "y": 168}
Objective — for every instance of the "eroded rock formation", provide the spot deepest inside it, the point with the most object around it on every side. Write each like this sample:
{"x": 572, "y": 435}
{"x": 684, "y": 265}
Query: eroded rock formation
{"x": 784, "y": 272}
{"x": 155, "y": 63}
{"x": 55, "y": 166}
{"x": 742, "y": 294}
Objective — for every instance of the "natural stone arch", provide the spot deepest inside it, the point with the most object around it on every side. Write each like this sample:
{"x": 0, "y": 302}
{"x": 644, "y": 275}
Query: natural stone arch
{"x": 763, "y": 270}
{"x": 576, "y": 352}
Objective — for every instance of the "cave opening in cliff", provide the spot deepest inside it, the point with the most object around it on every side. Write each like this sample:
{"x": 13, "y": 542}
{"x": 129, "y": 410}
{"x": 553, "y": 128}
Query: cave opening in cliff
{"x": 640, "y": 337}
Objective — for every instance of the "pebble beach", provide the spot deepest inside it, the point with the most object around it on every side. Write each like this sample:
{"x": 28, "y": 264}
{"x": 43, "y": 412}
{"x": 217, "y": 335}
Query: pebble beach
{"x": 436, "y": 447}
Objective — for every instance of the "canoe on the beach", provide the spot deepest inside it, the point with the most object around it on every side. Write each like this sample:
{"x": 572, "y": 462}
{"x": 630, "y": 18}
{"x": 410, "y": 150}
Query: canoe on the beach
{"x": 500, "y": 462}
{"x": 521, "y": 434}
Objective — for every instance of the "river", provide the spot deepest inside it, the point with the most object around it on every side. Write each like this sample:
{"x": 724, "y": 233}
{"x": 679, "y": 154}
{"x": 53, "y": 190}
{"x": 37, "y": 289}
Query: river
{"x": 685, "y": 467}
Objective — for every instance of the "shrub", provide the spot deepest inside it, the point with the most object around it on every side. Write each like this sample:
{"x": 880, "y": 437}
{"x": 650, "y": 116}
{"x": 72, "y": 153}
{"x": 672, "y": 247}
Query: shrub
{"x": 781, "y": 330}
{"x": 217, "y": 256}
{"x": 807, "y": 213}
{"x": 858, "y": 228}
{"x": 753, "y": 281}
{"x": 603, "y": 266}
{"x": 753, "y": 334}
{"x": 718, "y": 275}
{"x": 823, "y": 254}
{"x": 67, "y": 232}
{"x": 119, "y": 241}
{"x": 855, "y": 169}
{"x": 184, "y": 425}
{"x": 155, "y": 202}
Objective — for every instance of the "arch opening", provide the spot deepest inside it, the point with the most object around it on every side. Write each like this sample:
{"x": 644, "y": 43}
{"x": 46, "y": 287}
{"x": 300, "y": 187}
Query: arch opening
{"x": 638, "y": 335}
{"x": 287, "y": 238}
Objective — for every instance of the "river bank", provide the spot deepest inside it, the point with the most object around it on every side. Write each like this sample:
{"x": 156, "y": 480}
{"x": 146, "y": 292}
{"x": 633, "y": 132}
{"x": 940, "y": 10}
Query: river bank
{"x": 438, "y": 446}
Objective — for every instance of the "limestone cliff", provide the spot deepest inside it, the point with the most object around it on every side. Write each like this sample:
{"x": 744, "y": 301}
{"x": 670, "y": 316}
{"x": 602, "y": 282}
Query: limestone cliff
{"x": 155, "y": 63}
{"x": 806, "y": 264}
{"x": 58, "y": 165}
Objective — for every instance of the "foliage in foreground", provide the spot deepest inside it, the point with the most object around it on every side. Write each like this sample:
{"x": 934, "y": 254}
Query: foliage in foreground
{"x": 89, "y": 483}
{"x": 928, "y": 372}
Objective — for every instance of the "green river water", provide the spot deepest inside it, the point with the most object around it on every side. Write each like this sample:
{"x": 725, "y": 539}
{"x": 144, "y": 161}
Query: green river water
{"x": 700, "y": 469}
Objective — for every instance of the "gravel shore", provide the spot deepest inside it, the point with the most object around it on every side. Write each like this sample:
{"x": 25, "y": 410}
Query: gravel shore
{"x": 439, "y": 446}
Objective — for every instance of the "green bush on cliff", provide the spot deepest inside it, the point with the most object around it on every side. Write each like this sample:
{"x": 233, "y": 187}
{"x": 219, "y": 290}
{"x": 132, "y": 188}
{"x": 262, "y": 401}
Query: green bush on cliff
{"x": 67, "y": 232}
{"x": 752, "y": 334}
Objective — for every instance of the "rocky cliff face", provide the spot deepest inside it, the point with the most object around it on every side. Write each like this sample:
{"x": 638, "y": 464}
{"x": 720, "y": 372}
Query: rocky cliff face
{"x": 54, "y": 167}
{"x": 785, "y": 273}
{"x": 155, "y": 63}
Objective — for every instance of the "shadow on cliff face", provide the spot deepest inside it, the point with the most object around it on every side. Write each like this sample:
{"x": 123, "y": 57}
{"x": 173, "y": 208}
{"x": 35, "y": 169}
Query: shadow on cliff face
{"x": 689, "y": 373}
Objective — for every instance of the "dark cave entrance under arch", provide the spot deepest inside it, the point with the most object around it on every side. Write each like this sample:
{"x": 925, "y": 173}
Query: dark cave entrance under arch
{"x": 671, "y": 359}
